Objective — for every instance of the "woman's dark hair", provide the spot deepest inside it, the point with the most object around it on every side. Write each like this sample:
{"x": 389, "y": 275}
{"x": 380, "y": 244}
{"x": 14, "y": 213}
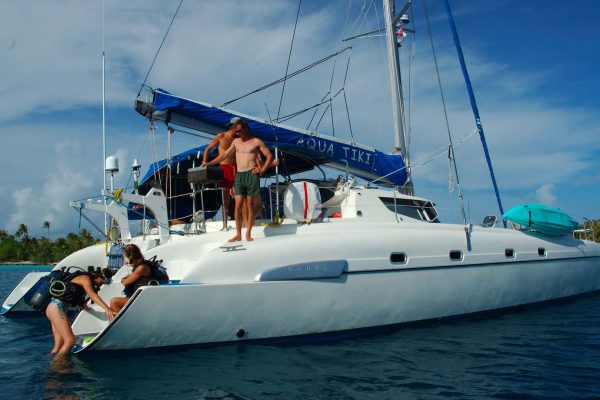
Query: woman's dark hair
{"x": 133, "y": 253}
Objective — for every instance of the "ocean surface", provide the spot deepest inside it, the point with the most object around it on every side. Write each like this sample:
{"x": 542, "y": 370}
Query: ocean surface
{"x": 548, "y": 352}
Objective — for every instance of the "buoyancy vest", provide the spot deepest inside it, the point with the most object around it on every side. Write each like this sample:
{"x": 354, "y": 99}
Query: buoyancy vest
{"x": 69, "y": 292}
{"x": 158, "y": 275}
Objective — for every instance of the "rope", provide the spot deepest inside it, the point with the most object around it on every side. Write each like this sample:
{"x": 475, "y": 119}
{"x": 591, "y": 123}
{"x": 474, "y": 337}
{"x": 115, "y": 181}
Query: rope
{"x": 301, "y": 70}
{"x": 152, "y": 135}
{"x": 160, "y": 47}
{"x": 451, "y": 158}
{"x": 330, "y": 99}
{"x": 289, "y": 58}
{"x": 193, "y": 134}
{"x": 346, "y": 100}
{"x": 295, "y": 114}
{"x": 362, "y": 23}
{"x": 81, "y": 214}
{"x": 434, "y": 156}
{"x": 316, "y": 107}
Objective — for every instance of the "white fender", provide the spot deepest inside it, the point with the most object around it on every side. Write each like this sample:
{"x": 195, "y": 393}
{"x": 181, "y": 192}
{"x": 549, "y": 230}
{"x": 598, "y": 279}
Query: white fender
{"x": 302, "y": 201}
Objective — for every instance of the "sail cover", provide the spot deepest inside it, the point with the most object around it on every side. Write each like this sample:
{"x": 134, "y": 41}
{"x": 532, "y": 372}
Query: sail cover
{"x": 306, "y": 148}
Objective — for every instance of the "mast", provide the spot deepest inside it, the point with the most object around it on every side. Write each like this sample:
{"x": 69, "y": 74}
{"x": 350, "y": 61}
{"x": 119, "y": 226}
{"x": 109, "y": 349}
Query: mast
{"x": 396, "y": 87}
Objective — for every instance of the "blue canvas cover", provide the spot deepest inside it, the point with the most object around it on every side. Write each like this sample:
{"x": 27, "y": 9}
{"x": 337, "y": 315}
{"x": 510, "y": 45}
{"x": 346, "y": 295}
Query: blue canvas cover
{"x": 308, "y": 148}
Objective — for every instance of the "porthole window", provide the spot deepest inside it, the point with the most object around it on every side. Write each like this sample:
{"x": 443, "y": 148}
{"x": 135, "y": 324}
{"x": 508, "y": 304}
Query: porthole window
{"x": 398, "y": 258}
{"x": 510, "y": 253}
{"x": 456, "y": 255}
{"x": 541, "y": 252}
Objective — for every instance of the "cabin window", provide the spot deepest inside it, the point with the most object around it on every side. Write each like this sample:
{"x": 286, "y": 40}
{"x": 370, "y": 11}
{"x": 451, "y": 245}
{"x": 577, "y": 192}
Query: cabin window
{"x": 421, "y": 210}
{"x": 541, "y": 252}
{"x": 456, "y": 255}
{"x": 398, "y": 258}
{"x": 510, "y": 253}
{"x": 429, "y": 212}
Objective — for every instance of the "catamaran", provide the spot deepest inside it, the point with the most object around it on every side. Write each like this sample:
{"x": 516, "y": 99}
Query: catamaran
{"x": 347, "y": 255}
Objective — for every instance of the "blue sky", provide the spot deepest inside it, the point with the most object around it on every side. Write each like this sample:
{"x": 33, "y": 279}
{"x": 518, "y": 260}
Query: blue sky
{"x": 533, "y": 66}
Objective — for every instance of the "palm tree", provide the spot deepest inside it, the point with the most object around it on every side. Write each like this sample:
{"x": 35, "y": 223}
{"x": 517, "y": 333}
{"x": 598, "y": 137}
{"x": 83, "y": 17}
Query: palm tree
{"x": 22, "y": 232}
{"x": 46, "y": 225}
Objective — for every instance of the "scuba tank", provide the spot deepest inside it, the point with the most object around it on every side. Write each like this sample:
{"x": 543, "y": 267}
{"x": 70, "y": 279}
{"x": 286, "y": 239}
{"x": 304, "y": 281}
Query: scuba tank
{"x": 57, "y": 284}
{"x": 38, "y": 297}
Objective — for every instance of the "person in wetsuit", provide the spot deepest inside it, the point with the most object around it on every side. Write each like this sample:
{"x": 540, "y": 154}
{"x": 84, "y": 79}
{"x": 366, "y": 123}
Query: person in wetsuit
{"x": 75, "y": 288}
{"x": 140, "y": 276}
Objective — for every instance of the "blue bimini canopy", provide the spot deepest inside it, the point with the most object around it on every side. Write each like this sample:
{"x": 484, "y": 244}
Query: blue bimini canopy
{"x": 306, "y": 148}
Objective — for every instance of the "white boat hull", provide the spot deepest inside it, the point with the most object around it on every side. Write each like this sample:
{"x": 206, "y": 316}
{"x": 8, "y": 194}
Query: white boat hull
{"x": 370, "y": 293}
{"x": 14, "y": 302}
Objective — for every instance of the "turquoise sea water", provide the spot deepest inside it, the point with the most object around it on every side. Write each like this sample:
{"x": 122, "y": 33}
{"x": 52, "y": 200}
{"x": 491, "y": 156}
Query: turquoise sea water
{"x": 550, "y": 352}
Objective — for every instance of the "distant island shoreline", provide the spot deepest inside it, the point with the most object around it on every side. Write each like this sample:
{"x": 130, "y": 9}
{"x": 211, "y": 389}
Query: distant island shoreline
{"x": 25, "y": 263}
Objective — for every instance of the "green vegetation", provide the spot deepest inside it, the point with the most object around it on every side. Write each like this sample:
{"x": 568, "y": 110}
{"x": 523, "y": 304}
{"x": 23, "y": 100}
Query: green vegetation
{"x": 22, "y": 247}
{"x": 592, "y": 228}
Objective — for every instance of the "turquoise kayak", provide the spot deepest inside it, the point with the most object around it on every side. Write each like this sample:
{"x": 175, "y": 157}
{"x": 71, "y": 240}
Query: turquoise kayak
{"x": 543, "y": 219}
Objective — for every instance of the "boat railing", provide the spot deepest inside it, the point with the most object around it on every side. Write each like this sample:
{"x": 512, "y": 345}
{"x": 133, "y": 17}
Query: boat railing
{"x": 586, "y": 232}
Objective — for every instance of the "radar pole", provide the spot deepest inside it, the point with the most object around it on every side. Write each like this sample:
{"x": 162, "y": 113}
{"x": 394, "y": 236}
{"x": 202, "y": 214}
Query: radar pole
{"x": 104, "y": 127}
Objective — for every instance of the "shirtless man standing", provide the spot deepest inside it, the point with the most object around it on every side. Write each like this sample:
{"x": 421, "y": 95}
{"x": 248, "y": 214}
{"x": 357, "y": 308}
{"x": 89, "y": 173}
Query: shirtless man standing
{"x": 247, "y": 181}
{"x": 224, "y": 140}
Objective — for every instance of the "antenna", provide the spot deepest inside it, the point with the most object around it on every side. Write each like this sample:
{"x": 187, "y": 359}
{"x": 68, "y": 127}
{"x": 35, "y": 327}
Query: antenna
{"x": 104, "y": 125}
{"x": 135, "y": 171}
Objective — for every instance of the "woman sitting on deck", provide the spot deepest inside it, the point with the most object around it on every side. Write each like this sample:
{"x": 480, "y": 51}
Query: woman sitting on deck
{"x": 140, "y": 276}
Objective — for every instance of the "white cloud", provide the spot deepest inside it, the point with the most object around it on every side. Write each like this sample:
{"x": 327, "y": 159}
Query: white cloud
{"x": 545, "y": 194}
{"x": 50, "y": 96}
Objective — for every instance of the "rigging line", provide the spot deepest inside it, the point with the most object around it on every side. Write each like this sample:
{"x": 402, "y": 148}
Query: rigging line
{"x": 289, "y": 58}
{"x": 426, "y": 159}
{"x": 366, "y": 13}
{"x": 192, "y": 134}
{"x": 316, "y": 110}
{"x": 451, "y": 156}
{"x": 348, "y": 115}
{"x": 160, "y": 47}
{"x": 411, "y": 79}
{"x": 345, "y": 99}
{"x": 473, "y": 102}
{"x": 330, "y": 99}
{"x": 323, "y": 115}
{"x": 138, "y": 156}
{"x": 301, "y": 70}
{"x": 347, "y": 17}
{"x": 358, "y": 17}
{"x": 317, "y": 105}
{"x": 370, "y": 105}
{"x": 295, "y": 114}
{"x": 152, "y": 134}
{"x": 93, "y": 224}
